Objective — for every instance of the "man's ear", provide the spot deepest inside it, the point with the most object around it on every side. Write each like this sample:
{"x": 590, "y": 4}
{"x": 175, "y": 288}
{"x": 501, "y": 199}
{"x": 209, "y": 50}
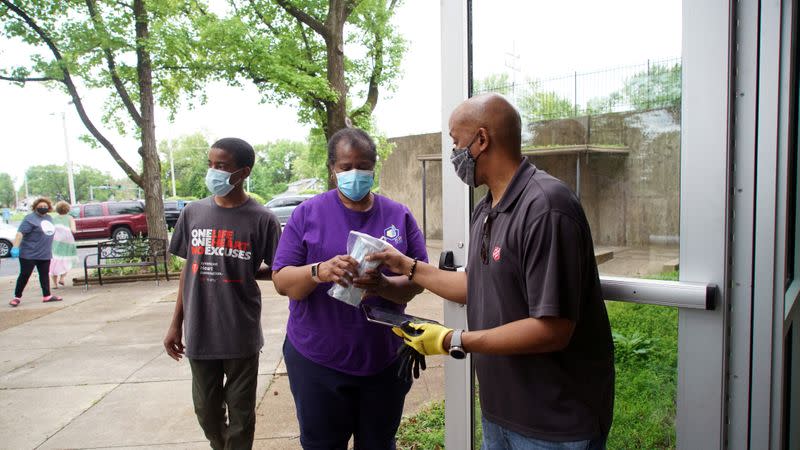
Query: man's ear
{"x": 483, "y": 138}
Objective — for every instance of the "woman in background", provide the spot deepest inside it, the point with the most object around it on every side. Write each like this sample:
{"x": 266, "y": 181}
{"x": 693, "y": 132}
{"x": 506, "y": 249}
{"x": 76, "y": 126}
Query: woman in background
{"x": 33, "y": 246}
{"x": 65, "y": 252}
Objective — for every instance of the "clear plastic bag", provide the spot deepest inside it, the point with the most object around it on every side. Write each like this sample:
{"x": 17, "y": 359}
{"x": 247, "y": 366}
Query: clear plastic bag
{"x": 359, "y": 245}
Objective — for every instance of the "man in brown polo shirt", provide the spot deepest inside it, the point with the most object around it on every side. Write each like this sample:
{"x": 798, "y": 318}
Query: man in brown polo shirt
{"x": 538, "y": 327}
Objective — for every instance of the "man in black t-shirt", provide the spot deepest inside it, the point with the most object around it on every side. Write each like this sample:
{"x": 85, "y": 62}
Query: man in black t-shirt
{"x": 224, "y": 239}
{"x": 538, "y": 327}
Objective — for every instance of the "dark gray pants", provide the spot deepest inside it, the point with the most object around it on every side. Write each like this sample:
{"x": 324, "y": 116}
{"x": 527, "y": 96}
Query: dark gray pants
{"x": 221, "y": 383}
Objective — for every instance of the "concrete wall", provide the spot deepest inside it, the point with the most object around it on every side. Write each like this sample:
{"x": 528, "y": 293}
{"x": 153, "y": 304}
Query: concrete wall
{"x": 630, "y": 200}
{"x": 633, "y": 199}
{"x": 401, "y": 178}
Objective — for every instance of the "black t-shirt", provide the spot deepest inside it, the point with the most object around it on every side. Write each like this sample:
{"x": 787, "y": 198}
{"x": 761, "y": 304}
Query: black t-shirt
{"x": 532, "y": 256}
{"x": 223, "y": 248}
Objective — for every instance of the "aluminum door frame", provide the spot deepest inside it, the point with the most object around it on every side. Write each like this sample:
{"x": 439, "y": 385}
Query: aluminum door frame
{"x": 705, "y": 183}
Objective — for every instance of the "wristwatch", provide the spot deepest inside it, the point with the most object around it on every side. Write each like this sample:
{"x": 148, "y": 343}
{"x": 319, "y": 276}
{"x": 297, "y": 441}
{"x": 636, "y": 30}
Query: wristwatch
{"x": 315, "y": 273}
{"x": 456, "y": 350}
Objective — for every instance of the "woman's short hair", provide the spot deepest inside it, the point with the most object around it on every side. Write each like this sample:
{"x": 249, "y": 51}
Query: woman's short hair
{"x": 40, "y": 200}
{"x": 242, "y": 152}
{"x": 62, "y": 207}
{"x": 356, "y": 137}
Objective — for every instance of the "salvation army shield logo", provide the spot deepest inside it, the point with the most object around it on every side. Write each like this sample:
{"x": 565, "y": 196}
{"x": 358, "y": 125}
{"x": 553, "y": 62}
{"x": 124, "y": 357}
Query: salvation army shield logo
{"x": 496, "y": 254}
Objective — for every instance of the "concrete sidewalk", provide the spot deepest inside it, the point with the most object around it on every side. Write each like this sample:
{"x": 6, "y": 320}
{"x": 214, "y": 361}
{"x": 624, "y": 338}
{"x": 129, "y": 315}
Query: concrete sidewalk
{"x": 91, "y": 372}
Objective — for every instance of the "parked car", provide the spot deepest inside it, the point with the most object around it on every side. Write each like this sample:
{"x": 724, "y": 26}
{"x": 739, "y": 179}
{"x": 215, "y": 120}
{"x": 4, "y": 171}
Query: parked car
{"x": 284, "y": 206}
{"x": 7, "y": 235}
{"x": 116, "y": 220}
{"x": 172, "y": 211}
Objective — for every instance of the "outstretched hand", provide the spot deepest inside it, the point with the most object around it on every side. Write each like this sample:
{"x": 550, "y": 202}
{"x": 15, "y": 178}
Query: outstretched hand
{"x": 425, "y": 338}
{"x": 339, "y": 269}
{"x": 392, "y": 259}
{"x": 371, "y": 282}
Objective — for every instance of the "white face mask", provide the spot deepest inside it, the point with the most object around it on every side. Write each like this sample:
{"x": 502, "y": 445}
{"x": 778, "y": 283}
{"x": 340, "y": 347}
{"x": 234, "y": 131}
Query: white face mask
{"x": 219, "y": 182}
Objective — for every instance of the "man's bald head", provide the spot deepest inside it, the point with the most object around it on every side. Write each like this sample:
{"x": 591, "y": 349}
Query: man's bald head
{"x": 496, "y": 114}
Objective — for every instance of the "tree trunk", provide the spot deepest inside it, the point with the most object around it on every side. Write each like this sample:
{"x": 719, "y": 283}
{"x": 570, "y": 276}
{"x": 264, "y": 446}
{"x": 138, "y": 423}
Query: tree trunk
{"x": 336, "y": 111}
{"x": 151, "y": 173}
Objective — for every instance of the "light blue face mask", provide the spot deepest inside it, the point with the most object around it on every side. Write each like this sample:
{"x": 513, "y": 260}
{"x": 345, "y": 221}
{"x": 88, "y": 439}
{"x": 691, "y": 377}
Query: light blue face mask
{"x": 355, "y": 184}
{"x": 218, "y": 182}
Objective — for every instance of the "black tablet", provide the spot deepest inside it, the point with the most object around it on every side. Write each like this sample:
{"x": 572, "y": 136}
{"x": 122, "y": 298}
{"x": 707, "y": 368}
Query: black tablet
{"x": 390, "y": 317}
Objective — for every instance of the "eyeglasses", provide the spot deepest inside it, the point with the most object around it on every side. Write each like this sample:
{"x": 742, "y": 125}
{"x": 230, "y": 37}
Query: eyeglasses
{"x": 487, "y": 235}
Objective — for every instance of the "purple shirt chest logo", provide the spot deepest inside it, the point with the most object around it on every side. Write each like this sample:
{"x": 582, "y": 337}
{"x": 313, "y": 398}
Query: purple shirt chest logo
{"x": 392, "y": 234}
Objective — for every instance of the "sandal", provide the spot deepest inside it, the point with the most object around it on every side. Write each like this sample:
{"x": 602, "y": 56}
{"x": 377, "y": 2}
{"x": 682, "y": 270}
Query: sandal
{"x": 51, "y": 298}
{"x": 14, "y": 302}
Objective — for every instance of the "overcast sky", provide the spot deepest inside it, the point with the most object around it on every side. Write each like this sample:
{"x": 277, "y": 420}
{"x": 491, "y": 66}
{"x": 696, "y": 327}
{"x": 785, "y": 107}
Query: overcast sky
{"x": 546, "y": 38}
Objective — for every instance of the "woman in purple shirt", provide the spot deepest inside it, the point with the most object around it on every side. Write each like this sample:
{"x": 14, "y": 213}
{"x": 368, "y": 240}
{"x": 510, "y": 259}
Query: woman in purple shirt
{"x": 342, "y": 369}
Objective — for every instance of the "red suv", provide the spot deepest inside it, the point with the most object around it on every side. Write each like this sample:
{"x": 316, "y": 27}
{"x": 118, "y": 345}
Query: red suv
{"x": 116, "y": 220}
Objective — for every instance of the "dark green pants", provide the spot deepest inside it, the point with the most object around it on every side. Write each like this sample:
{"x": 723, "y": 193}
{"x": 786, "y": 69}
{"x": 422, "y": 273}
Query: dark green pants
{"x": 238, "y": 393}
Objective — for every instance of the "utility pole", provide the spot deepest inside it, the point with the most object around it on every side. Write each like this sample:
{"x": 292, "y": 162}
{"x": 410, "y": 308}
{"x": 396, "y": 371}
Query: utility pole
{"x": 172, "y": 171}
{"x": 70, "y": 178}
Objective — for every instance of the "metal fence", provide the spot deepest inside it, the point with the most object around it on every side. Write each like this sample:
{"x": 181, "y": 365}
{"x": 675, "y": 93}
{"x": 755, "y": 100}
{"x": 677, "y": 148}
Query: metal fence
{"x": 654, "y": 84}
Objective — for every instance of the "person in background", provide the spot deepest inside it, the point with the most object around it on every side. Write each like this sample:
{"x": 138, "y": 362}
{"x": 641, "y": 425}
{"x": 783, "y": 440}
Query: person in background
{"x": 6, "y": 215}
{"x": 65, "y": 252}
{"x": 343, "y": 370}
{"x": 33, "y": 246}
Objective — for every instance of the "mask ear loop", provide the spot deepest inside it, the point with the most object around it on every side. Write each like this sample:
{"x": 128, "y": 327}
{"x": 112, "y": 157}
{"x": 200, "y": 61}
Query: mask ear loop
{"x": 234, "y": 173}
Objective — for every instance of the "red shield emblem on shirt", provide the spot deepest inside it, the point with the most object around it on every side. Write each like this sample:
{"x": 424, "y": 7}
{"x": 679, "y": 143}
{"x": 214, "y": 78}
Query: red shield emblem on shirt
{"x": 195, "y": 266}
{"x": 496, "y": 253}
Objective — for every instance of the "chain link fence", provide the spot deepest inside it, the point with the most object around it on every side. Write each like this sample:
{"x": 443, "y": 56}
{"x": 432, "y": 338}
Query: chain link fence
{"x": 651, "y": 85}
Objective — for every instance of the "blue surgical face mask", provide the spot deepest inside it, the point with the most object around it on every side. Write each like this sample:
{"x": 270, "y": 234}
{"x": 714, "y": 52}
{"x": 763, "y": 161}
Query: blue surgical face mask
{"x": 355, "y": 184}
{"x": 219, "y": 182}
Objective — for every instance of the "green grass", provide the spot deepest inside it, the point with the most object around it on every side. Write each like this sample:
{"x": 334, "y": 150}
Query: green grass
{"x": 423, "y": 431}
{"x": 644, "y": 405}
{"x": 646, "y": 357}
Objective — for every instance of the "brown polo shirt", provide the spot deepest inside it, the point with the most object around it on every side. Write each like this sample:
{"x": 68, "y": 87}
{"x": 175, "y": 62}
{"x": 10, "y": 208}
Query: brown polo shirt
{"x": 532, "y": 256}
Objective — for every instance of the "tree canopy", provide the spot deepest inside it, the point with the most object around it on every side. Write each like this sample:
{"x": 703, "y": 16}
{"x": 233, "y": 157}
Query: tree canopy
{"x": 331, "y": 57}
{"x": 7, "y": 196}
{"x": 51, "y": 181}
{"x": 131, "y": 50}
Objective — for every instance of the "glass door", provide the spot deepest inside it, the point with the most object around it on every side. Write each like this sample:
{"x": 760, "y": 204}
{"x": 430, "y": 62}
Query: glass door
{"x": 629, "y": 105}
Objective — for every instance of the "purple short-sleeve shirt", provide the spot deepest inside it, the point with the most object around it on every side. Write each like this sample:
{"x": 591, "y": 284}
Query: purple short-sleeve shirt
{"x": 323, "y": 329}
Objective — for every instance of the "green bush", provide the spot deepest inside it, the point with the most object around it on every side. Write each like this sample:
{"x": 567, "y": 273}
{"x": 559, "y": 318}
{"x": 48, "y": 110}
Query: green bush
{"x": 259, "y": 199}
{"x": 425, "y": 430}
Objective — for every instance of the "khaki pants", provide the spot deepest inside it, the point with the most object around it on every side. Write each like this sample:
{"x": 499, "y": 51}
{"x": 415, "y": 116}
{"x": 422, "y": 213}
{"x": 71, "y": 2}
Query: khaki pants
{"x": 238, "y": 393}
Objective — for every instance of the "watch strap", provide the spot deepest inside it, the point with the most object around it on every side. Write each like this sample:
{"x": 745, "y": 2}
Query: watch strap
{"x": 315, "y": 272}
{"x": 455, "y": 340}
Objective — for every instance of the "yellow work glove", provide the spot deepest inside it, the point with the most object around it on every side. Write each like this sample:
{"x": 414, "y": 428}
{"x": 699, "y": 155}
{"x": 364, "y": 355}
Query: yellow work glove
{"x": 426, "y": 338}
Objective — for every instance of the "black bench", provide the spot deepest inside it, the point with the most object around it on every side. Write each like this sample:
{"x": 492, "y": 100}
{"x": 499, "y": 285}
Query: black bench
{"x": 133, "y": 252}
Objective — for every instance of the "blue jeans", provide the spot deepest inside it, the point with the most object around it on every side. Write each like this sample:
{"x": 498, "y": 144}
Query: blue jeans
{"x": 496, "y": 437}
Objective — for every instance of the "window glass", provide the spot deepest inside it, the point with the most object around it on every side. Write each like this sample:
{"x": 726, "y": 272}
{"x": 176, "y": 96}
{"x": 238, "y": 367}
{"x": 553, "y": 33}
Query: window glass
{"x": 598, "y": 88}
{"x": 115, "y": 209}
{"x": 92, "y": 210}
{"x": 75, "y": 211}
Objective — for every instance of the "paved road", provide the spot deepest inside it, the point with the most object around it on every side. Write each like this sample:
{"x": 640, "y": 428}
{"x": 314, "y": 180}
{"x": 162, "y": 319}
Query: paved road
{"x": 10, "y": 266}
